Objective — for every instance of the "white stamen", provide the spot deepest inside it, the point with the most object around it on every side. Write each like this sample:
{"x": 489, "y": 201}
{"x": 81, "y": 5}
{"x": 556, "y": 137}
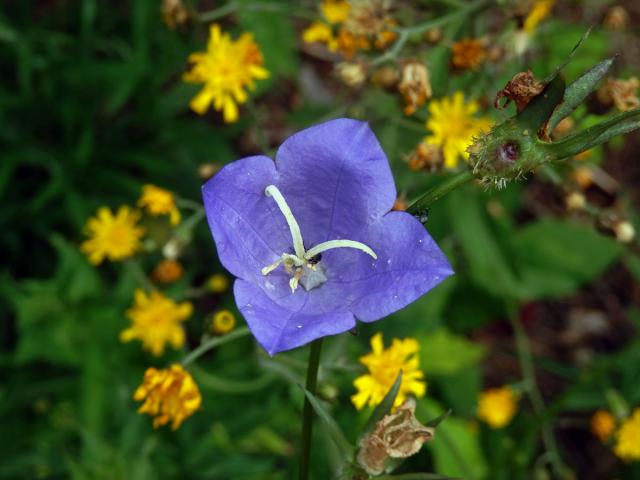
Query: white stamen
{"x": 298, "y": 246}
{"x": 324, "y": 246}
{"x": 270, "y": 268}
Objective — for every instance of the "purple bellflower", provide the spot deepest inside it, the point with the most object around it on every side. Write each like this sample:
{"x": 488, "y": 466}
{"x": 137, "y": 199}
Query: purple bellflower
{"x": 311, "y": 238}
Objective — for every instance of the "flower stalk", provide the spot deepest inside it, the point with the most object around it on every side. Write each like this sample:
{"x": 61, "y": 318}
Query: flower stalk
{"x": 307, "y": 411}
{"x": 213, "y": 343}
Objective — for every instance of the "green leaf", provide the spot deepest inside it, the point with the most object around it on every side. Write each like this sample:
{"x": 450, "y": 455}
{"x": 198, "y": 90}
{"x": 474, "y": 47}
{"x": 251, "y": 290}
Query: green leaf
{"x": 416, "y": 476}
{"x": 276, "y": 38}
{"x": 488, "y": 266}
{"x": 332, "y": 427}
{"x": 598, "y": 134}
{"x": 456, "y": 447}
{"x": 384, "y": 407}
{"x": 576, "y": 93}
{"x": 537, "y": 113}
{"x": 444, "y": 353}
{"x": 439, "y": 419}
{"x": 556, "y": 257}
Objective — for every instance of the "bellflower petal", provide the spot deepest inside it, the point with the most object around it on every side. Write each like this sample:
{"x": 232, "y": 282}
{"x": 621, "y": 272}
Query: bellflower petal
{"x": 336, "y": 182}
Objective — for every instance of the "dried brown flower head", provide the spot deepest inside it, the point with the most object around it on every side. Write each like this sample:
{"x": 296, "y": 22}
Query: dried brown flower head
{"x": 521, "y": 89}
{"x": 397, "y": 435}
{"x": 371, "y": 19}
{"x": 617, "y": 18}
{"x": 469, "y": 53}
{"x": 414, "y": 86}
{"x": 622, "y": 93}
{"x": 385, "y": 77}
{"x": 425, "y": 157}
{"x": 174, "y": 13}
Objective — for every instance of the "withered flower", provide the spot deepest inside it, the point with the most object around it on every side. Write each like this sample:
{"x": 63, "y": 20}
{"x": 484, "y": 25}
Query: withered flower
{"x": 469, "y": 53}
{"x": 397, "y": 435}
{"x": 352, "y": 74}
{"x": 521, "y": 89}
{"x": 617, "y": 18}
{"x": 622, "y": 93}
{"x": 414, "y": 86}
{"x": 371, "y": 19}
{"x": 174, "y": 13}
{"x": 425, "y": 157}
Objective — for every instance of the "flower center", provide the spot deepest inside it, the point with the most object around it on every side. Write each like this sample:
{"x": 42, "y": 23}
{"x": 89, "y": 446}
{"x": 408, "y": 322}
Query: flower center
{"x": 305, "y": 266}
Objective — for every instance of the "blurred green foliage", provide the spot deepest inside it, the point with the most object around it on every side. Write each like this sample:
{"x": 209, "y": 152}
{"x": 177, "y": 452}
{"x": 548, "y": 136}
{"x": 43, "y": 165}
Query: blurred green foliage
{"x": 92, "y": 107}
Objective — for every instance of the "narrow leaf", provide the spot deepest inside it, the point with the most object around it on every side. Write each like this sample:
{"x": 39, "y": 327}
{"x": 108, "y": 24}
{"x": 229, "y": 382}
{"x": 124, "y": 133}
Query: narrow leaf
{"x": 596, "y": 135}
{"x": 575, "y": 93}
{"x": 536, "y": 115}
{"x": 438, "y": 420}
{"x": 335, "y": 432}
{"x": 384, "y": 407}
{"x": 569, "y": 57}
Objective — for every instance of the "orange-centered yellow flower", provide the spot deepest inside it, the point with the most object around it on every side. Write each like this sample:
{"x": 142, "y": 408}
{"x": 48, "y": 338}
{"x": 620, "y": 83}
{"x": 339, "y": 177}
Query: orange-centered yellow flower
{"x": 497, "y": 406}
{"x": 114, "y": 237}
{"x": 453, "y": 127}
{"x": 226, "y": 69}
{"x": 384, "y": 366}
{"x": 156, "y": 321}
{"x": 603, "y": 424}
{"x": 627, "y": 445}
{"x": 159, "y": 201}
{"x": 169, "y": 395}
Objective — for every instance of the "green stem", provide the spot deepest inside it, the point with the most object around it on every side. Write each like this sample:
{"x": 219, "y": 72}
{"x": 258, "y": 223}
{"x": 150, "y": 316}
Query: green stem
{"x": 307, "y": 411}
{"x": 405, "y": 33}
{"x": 263, "y": 142}
{"x": 214, "y": 342}
{"x": 528, "y": 372}
{"x": 256, "y": 7}
{"x": 138, "y": 273}
{"x": 421, "y": 205}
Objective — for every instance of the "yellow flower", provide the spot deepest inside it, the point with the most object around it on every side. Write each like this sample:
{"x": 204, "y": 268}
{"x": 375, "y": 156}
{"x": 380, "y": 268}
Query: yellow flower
{"x": 335, "y": 11}
{"x": 156, "y": 321}
{"x": 223, "y": 322}
{"x": 159, "y": 201}
{"x": 227, "y": 68}
{"x": 218, "y": 283}
{"x": 453, "y": 127}
{"x": 603, "y": 424}
{"x": 540, "y": 10}
{"x": 497, "y": 406}
{"x": 115, "y": 237}
{"x": 169, "y": 395}
{"x": 167, "y": 271}
{"x": 384, "y": 366}
{"x": 628, "y": 438}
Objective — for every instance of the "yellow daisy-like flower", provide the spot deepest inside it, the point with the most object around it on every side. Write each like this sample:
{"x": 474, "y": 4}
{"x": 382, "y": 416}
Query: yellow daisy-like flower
{"x": 335, "y": 11}
{"x": 169, "y": 395}
{"x": 218, "y": 283}
{"x": 453, "y": 127}
{"x": 223, "y": 322}
{"x": 627, "y": 445}
{"x": 159, "y": 201}
{"x": 114, "y": 237}
{"x": 497, "y": 406}
{"x": 227, "y": 68}
{"x": 603, "y": 424}
{"x": 539, "y": 11}
{"x": 384, "y": 366}
{"x": 156, "y": 321}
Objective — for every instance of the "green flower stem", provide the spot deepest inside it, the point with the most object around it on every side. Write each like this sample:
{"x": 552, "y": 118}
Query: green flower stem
{"x": 307, "y": 412}
{"x": 405, "y": 33}
{"x": 421, "y": 205}
{"x": 213, "y": 343}
{"x": 528, "y": 372}
{"x": 232, "y": 6}
{"x": 136, "y": 270}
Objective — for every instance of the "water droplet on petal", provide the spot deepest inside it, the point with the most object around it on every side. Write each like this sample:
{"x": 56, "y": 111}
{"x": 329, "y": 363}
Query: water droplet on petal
{"x": 298, "y": 326}
{"x": 395, "y": 297}
{"x": 389, "y": 262}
